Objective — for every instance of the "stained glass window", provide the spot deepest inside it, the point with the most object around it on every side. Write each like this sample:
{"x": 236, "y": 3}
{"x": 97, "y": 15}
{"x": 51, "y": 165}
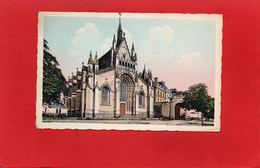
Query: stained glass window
{"x": 123, "y": 91}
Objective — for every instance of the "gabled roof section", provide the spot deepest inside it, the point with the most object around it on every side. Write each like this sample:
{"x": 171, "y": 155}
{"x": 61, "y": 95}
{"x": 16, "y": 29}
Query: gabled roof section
{"x": 121, "y": 43}
{"x": 140, "y": 77}
{"x": 144, "y": 74}
{"x": 105, "y": 60}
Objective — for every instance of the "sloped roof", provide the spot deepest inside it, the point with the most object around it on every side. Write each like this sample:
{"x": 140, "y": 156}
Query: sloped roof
{"x": 61, "y": 106}
{"x": 105, "y": 60}
{"x": 162, "y": 84}
{"x": 79, "y": 73}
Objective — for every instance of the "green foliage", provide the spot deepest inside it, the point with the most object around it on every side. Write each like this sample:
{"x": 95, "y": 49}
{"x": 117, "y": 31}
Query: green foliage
{"x": 54, "y": 82}
{"x": 197, "y": 98}
{"x": 210, "y": 111}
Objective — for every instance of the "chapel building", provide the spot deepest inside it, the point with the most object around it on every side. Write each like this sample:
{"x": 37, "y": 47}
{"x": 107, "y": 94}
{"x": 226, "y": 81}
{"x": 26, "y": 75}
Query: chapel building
{"x": 110, "y": 86}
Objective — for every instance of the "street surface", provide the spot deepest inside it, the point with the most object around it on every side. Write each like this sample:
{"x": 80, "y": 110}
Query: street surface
{"x": 154, "y": 122}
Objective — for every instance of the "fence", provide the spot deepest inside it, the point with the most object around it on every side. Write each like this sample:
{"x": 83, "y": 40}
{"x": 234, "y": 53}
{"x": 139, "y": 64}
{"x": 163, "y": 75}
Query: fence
{"x": 89, "y": 114}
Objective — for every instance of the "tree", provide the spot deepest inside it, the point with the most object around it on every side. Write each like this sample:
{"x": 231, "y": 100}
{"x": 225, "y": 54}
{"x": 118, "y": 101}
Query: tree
{"x": 197, "y": 98}
{"x": 54, "y": 82}
{"x": 210, "y": 112}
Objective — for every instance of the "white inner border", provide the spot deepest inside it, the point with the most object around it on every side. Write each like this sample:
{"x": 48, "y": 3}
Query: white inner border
{"x": 153, "y": 127}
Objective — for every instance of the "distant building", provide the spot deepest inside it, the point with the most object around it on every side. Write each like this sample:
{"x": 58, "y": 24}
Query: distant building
{"x": 55, "y": 110}
{"x": 176, "y": 101}
{"x": 162, "y": 93}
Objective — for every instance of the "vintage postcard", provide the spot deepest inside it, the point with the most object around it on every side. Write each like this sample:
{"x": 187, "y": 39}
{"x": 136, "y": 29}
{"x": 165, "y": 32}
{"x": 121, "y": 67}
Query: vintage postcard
{"x": 129, "y": 71}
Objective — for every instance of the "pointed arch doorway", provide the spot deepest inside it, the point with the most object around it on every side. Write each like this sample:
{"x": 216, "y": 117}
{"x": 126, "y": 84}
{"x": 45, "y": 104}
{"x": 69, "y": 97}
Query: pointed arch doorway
{"x": 127, "y": 96}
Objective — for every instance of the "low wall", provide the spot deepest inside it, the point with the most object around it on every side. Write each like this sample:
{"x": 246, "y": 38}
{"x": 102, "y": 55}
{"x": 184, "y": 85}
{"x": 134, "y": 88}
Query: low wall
{"x": 162, "y": 110}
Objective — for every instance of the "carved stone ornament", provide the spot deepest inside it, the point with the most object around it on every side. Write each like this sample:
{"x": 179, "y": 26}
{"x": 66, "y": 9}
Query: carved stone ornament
{"x": 105, "y": 82}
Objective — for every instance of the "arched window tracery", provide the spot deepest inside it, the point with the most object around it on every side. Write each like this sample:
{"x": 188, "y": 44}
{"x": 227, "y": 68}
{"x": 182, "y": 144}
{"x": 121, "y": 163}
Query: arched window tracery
{"x": 127, "y": 97}
{"x": 105, "y": 96}
{"x": 141, "y": 99}
{"x": 123, "y": 89}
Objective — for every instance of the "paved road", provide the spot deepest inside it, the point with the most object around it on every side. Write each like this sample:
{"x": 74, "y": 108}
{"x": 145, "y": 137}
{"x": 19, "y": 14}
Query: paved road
{"x": 154, "y": 122}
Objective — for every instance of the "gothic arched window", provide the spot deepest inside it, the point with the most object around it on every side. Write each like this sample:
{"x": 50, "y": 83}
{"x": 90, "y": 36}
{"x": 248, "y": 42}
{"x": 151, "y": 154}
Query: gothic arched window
{"x": 141, "y": 99}
{"x": 123, "y": 92}
{"x": 105, "y": 96}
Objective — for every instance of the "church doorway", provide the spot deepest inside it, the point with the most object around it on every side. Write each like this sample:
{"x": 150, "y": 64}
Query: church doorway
{"x": 127, "y": 98}
{"x": 122, "y": 108}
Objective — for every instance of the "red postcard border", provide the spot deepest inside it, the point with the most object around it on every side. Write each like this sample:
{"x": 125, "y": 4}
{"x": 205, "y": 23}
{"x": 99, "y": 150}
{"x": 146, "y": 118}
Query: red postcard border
{"x": 236, "y": 145}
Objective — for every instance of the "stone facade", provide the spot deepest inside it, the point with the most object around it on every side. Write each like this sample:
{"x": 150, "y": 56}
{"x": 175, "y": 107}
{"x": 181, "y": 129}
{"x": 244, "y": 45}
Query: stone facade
{"x": 110, "y": 86}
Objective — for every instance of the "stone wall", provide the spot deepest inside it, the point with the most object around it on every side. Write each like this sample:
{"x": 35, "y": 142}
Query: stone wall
{"x": 107, "y": 79}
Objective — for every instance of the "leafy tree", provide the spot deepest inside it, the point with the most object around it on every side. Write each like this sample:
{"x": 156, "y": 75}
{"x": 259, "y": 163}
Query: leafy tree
{"x": 197, "y": 98}
{"x": 54, "y": 82}
{"x": 210, "y": 112}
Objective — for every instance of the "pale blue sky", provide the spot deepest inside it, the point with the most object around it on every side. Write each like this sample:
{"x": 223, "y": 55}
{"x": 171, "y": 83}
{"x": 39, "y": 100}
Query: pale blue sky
{"x": 180, "y": 52}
